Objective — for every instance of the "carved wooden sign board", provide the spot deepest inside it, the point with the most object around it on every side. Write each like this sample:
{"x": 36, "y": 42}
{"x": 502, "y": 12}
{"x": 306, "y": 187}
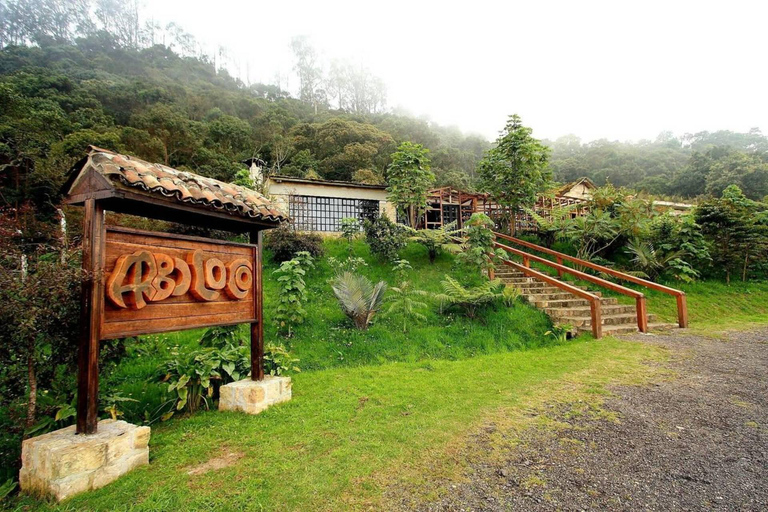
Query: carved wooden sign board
{"x": 156, "y": 282}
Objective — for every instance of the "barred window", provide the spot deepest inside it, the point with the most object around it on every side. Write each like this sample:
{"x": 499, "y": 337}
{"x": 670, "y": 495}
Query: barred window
{"x": 314, "y": 213}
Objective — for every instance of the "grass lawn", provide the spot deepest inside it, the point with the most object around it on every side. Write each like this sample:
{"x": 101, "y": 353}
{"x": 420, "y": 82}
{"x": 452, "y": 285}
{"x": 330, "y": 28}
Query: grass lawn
{"x": 371, "y": 408}
{"x": 347, "y": 431}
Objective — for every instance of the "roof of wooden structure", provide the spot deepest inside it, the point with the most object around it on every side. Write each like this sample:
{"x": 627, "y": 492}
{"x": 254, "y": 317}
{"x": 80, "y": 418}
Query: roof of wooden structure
{"x": 449, "y": 193}
{"x": 568, "y": 186}
{"x": 130, "y": 185}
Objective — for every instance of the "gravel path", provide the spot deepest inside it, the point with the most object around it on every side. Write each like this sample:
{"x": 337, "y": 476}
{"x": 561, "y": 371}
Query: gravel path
{"x": 695, "y": 442}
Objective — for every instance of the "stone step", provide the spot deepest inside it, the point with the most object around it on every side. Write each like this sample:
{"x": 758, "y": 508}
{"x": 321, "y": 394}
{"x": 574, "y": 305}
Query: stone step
{"x": 612, "y": 319}
{"x": 610, "y": 330}
{"x": 559, "y": 295}
{"x": 585, "y": 311}
{"x": 573, "y": 302}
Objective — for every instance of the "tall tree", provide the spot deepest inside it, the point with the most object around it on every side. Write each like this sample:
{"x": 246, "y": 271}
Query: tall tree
{"x": 516, "y": 170}
{"x": 308, "y": 69}
{"x": 410, "y": 178}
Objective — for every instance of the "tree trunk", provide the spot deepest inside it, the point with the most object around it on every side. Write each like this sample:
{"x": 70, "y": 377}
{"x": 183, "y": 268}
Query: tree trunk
{"x": 32, "y": 381}
{"x": 746, "y": 264}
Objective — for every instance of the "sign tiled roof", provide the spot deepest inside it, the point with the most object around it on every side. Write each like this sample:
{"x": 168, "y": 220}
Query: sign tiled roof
{"x": 126, "y": 172}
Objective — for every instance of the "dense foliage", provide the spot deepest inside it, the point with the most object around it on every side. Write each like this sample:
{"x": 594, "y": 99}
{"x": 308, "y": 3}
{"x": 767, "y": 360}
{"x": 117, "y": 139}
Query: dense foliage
{"x": 284, "y": 243}
{"x": 410, "y": 178}
{"x": 689, "y": 166}
{"x": 385, "y": 237}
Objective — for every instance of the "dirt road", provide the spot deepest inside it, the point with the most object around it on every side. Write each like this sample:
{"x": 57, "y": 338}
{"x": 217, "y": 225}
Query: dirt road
{"x": 698, "y": 441}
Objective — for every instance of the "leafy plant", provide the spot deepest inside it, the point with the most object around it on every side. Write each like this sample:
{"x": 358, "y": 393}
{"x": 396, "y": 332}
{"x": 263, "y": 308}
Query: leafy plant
{"x": 63, "y": 416}
{"x": 478, "y": 248}
{"x": 221, "y": 336}
{"x": 469, "y": 299}
{"x": 509, "y": 295}
{"x": 358, "y": 297}
{"x": 410, "y": 178}
{"x": 290, "y": 310}
{"x": 553, "y": 227}
{"x": 437, "y": 240}
{"x": 384, "y": 237}
{"x": 403, "y": 299}
{"x": 7, "y": 488}
{"x": 111, "y": 404}
{"x": 350, "y": 227}
{"x": 194, "y": 377}
{"x": 278, "y": 360}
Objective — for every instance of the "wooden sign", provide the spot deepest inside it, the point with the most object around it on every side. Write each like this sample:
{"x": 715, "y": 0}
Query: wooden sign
{"x": 158, "y": 282}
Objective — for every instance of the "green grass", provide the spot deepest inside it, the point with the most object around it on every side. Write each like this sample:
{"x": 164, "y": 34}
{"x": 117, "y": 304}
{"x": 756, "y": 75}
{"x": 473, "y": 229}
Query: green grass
{"x": 379, "y": 408}
{"x": 348, "y": 431}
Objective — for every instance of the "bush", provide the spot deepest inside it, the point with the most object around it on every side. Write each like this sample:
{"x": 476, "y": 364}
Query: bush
{"x": 384, "y": 237}
{"x": 285, "y": 243}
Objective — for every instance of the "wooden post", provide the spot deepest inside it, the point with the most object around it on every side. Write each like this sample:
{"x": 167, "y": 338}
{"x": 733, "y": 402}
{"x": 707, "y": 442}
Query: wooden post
{"x": 257, "y": 328}
{"x": 597, "y": 319}
{"x": 91, "y": 312}
{"x": 642, "y": 314}
{"x": 682, "y": 311}
{"x": 559, "y": 271}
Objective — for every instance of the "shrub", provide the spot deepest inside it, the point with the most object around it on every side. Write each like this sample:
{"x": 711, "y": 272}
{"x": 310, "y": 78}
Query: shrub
{"x": 384, "y": 237}
{"x": 285, "y": 243}
{"x": 358, "y": 297}
{"x": 290, "y": 310}
{"x": 478, "y": 249}
{"x": 437, "y": 240}
{"x": 469, "y": 299}
{"x": 278, "y": 360}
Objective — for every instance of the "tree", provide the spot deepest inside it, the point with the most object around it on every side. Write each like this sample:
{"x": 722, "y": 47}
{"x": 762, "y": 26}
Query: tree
{"x": 516, "y": 170}
{"x": 308, "y": 69}
{"x": 410, "y": 178}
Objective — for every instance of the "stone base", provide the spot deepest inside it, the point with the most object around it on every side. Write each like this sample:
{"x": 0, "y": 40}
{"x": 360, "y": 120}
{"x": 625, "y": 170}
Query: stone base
{"x": 253, "y": 396}
{"x": 62, "y": 463}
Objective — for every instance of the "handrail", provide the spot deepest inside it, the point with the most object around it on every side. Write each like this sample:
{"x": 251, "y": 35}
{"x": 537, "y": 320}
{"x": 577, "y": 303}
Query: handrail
{"x": 682, "y": 308}
{"x": 594, "y": 300}
{"x": 640, "y": 303}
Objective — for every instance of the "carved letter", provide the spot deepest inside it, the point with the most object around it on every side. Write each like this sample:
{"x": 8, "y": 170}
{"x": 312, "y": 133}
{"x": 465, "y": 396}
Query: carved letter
{"x": 184, "y": 279}
{"x": 132, "y": 277}
{"x": 239, "y": 278}
{"x": 215, "y": 274}
{"x": 198, "y": 289}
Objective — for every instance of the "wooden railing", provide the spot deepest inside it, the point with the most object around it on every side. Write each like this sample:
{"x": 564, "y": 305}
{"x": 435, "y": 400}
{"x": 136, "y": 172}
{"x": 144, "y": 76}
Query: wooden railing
{"x": 682, "y": 308}
{"x": 594, "y": 300}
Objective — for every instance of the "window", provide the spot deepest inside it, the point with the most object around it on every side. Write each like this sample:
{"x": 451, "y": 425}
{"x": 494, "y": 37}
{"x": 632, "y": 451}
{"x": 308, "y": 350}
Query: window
{"x": 314, "y": 213}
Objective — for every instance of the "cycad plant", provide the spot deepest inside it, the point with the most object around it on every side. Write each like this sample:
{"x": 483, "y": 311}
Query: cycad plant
{"x": 469, "y": 299}
{"x": 358, "y": 297}
{"x": 651, "y": 263}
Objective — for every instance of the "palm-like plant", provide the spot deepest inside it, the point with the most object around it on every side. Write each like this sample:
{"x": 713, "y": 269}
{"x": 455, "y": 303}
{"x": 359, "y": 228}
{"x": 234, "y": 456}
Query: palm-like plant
{"x": 404, "y": 301}
{"x": 436, "y": 240}
{"x": 358, "y": 297}
{"x": 552, "y": 227}
{"x": 650, "y": 263}
{"x": 469, "y": 299}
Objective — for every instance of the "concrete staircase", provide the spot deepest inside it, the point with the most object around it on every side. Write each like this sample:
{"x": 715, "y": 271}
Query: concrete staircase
{"x": 565, "y": 308}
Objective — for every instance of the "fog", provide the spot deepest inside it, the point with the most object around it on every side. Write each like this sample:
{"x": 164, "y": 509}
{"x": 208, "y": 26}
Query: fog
{"x": 618, "y": 70}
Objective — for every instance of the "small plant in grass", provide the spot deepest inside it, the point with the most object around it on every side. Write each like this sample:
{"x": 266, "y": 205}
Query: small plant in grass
{"x": 358, "y": 297}
{"x": 509, "y": 295}
{"x": 348, "y": 264}
{"x": 403, "y": 299}
{"x": 278, "y": 360}
{"x": 384, "y": 237}
{"x": 112, "y": 404}
{"x": 559, "y": 332}
{"x": 290, "y": 310}
{"x": 437, "y": 240}
{"x": 222, "y": 336}
{"x": 350, "y": 228}
{"x": 469, "y": 299}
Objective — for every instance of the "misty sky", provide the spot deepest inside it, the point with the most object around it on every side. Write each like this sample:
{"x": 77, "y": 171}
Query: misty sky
{"x": 620, "y": 69}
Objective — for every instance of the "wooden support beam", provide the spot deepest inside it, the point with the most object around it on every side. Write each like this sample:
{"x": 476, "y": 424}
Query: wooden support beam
{"x": 91, "y": 314}
{"x": 257, "y": 328}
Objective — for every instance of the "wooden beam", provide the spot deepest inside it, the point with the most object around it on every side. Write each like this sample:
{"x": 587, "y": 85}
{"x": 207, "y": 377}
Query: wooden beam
{"x": 91, "y": 316}
{"x": 257, "y": 328}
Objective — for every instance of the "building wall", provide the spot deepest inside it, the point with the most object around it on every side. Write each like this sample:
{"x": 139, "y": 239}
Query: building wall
{"x": 279, "y": 192}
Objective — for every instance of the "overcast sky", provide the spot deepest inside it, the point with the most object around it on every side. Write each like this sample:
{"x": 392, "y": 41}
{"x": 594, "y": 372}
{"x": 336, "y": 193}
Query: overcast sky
{"x": 619, "y": 69}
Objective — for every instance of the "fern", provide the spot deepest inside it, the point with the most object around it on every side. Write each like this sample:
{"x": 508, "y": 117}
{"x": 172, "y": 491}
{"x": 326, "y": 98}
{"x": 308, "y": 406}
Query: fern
{"x": 469, "y": 299}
